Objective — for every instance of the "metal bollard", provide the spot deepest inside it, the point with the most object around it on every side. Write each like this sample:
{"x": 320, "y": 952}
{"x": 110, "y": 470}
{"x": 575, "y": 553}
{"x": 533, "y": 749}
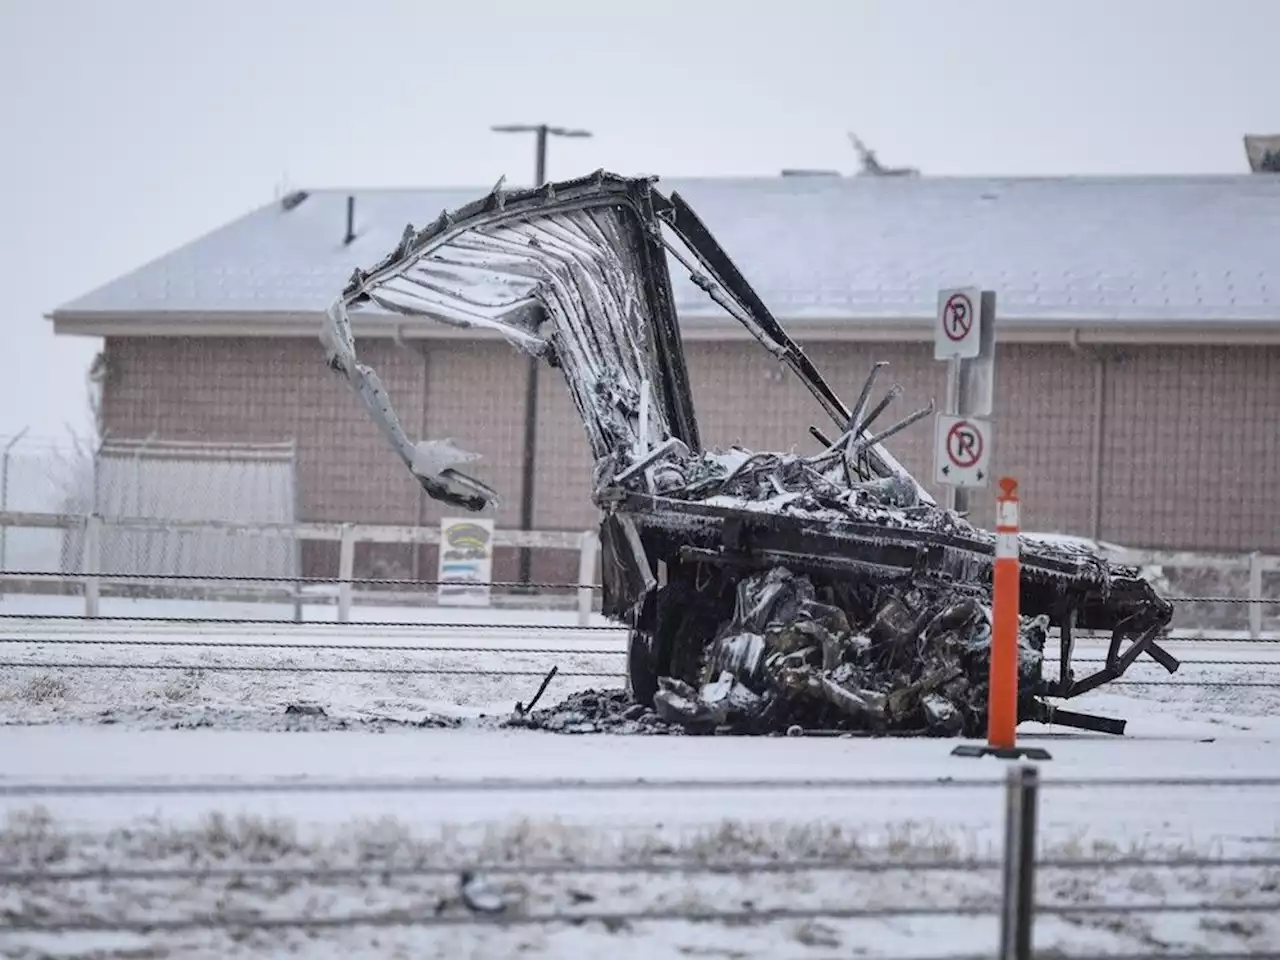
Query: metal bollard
{"x": 1022, "y": 794}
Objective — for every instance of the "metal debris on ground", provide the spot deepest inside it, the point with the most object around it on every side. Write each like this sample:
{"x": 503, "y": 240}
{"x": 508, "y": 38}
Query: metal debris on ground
{"x": 305, "y": 710}
{"x": 521, "y": 709}
{"x": 764, "y": 591}
{"x": 594, "y": 711}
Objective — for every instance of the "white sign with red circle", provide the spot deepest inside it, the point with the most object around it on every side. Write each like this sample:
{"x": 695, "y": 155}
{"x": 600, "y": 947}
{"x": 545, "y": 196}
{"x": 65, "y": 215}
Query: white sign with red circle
{"x": 962, "y": 451}
{"x": 958, "y": 330}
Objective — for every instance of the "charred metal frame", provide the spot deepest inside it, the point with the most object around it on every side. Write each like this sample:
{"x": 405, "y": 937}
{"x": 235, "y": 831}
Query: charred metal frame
{"x": 645, "y": 533}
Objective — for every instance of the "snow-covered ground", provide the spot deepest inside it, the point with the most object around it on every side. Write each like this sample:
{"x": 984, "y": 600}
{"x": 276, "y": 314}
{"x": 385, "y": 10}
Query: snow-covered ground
{"x": 456, "y": 814}
{"x": 486, "y": 668}
{"x": 460, "y": 662}
{"x": 432, "y": 799}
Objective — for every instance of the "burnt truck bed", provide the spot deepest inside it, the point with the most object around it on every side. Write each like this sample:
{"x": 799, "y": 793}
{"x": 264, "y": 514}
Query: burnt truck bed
{"x": 763, "y": 590}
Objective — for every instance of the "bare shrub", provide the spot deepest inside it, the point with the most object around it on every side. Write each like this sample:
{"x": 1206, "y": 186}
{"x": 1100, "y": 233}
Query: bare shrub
{"x": 44, "y": 687}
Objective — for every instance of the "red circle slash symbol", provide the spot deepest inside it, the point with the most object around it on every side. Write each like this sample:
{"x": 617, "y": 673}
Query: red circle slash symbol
{"x": 957, "y": 317}
{"x": 964, "y": 444}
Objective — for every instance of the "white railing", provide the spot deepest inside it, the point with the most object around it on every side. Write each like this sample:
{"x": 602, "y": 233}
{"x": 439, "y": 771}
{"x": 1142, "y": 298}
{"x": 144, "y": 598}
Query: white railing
{"x": 1254, "y": 564}
{"x": 347, "y": 535}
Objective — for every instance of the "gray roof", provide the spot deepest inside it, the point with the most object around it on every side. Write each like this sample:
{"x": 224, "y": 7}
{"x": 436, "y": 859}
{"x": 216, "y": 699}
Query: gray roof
{"x": 1089, "y": 249}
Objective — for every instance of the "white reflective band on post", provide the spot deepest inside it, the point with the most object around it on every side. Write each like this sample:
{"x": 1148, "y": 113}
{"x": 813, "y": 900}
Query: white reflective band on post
{"x": 1006, "y": 513}
{"x": 1006, "y": 546}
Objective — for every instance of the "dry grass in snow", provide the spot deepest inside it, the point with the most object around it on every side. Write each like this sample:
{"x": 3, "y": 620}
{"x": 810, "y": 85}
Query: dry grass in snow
{"x": 403, "y": 908}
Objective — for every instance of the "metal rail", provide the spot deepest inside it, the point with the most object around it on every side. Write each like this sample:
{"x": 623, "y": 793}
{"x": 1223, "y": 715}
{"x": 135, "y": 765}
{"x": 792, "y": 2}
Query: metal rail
{"x": 282, "y": 668}
{"x": 253, "y": 621}
{"x": 305, "y": 581}
{"x": 252, "y": 871}
{"x": 421, "y": 918}
{"x": 347, "y": 647}
{"x": 478, "y": 672}
{"x": 603, "y": 784}
{"x": 419, "y": 648}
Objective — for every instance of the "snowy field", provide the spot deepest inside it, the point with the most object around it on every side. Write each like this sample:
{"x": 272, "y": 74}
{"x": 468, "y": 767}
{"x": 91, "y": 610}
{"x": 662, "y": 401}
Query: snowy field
{"x": 444, "y": 788}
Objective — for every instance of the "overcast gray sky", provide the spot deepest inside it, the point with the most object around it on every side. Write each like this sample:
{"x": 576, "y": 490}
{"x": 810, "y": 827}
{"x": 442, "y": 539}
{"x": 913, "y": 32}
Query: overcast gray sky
{"x": 133, "y": 126}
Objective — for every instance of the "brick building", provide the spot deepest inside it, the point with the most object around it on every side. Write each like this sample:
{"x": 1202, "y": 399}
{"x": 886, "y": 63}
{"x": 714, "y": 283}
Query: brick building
{"x": 1138, "y": 370}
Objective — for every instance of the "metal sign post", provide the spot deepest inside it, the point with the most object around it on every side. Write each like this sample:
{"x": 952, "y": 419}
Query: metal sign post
{"x": 965, "y": 337}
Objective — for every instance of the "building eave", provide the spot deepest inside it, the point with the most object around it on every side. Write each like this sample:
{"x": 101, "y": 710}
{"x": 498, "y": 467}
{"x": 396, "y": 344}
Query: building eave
{"x": 1012, "y": 329}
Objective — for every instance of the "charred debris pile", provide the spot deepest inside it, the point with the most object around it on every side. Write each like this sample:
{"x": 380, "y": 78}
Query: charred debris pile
{"x": 793, "y": 658}
{"x": 886, "y": 659}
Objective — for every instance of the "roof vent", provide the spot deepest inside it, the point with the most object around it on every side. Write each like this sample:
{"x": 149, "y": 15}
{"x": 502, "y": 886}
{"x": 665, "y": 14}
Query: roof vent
{"x": 351, "y": 221}
{"x": 291, "y": 200}
{"x": 1263, "y": 153}
{"x": 810, "y": 173}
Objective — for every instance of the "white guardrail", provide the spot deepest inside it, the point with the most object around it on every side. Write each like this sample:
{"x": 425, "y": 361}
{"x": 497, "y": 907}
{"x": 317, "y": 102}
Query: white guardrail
{"x": 347, "y": 535}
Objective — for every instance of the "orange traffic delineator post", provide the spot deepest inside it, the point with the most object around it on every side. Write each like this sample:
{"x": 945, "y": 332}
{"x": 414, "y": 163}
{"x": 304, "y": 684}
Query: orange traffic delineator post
{"x": 1002, "y": 691}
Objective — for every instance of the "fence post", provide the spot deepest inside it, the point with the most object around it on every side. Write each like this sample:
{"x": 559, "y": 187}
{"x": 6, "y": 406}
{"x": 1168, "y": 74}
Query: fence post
{"x": 1255, "y": 595}
{"x": 346, "y": 568}
{"x": 92, "y": 563}
{"x": 298, "y": 598}
{"x": 1022, "y": 794}
{"x": 4, "y": 502}
{"x": 586, "y": 575}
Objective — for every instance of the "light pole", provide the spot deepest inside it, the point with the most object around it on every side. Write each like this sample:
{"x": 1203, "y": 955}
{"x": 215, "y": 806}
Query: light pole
{"x": 542, "y": 131}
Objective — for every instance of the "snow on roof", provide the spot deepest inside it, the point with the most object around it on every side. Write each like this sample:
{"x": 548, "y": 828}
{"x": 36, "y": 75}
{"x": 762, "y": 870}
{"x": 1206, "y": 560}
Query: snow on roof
{"x": 1080, "y": 249}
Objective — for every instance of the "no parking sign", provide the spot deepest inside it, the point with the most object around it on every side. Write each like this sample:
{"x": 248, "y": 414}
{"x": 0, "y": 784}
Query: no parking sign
{"x": 962, "y": 451}
{"x": 958, "y": 330}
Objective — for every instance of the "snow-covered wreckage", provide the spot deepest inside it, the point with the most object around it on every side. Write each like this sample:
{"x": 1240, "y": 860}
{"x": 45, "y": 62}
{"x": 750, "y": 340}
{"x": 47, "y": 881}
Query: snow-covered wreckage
{"x": 763, "y": 591}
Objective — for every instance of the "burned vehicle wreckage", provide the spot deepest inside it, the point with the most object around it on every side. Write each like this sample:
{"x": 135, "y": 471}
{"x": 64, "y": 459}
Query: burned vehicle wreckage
{"x": 763, "y": 591}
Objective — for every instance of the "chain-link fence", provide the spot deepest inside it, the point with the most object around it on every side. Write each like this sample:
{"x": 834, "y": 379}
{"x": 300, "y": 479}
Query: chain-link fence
{"x": 41, "y": 475}
{"x": 151, "y": 479}
{"x": 171, "y": 480}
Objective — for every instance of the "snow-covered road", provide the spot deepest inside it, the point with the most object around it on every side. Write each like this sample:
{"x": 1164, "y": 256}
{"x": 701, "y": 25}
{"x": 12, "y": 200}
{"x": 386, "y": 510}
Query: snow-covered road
{"x": 458, "y": 772}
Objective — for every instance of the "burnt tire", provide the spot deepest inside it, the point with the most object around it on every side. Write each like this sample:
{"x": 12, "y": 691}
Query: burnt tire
{"x": 643, "y": 667}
